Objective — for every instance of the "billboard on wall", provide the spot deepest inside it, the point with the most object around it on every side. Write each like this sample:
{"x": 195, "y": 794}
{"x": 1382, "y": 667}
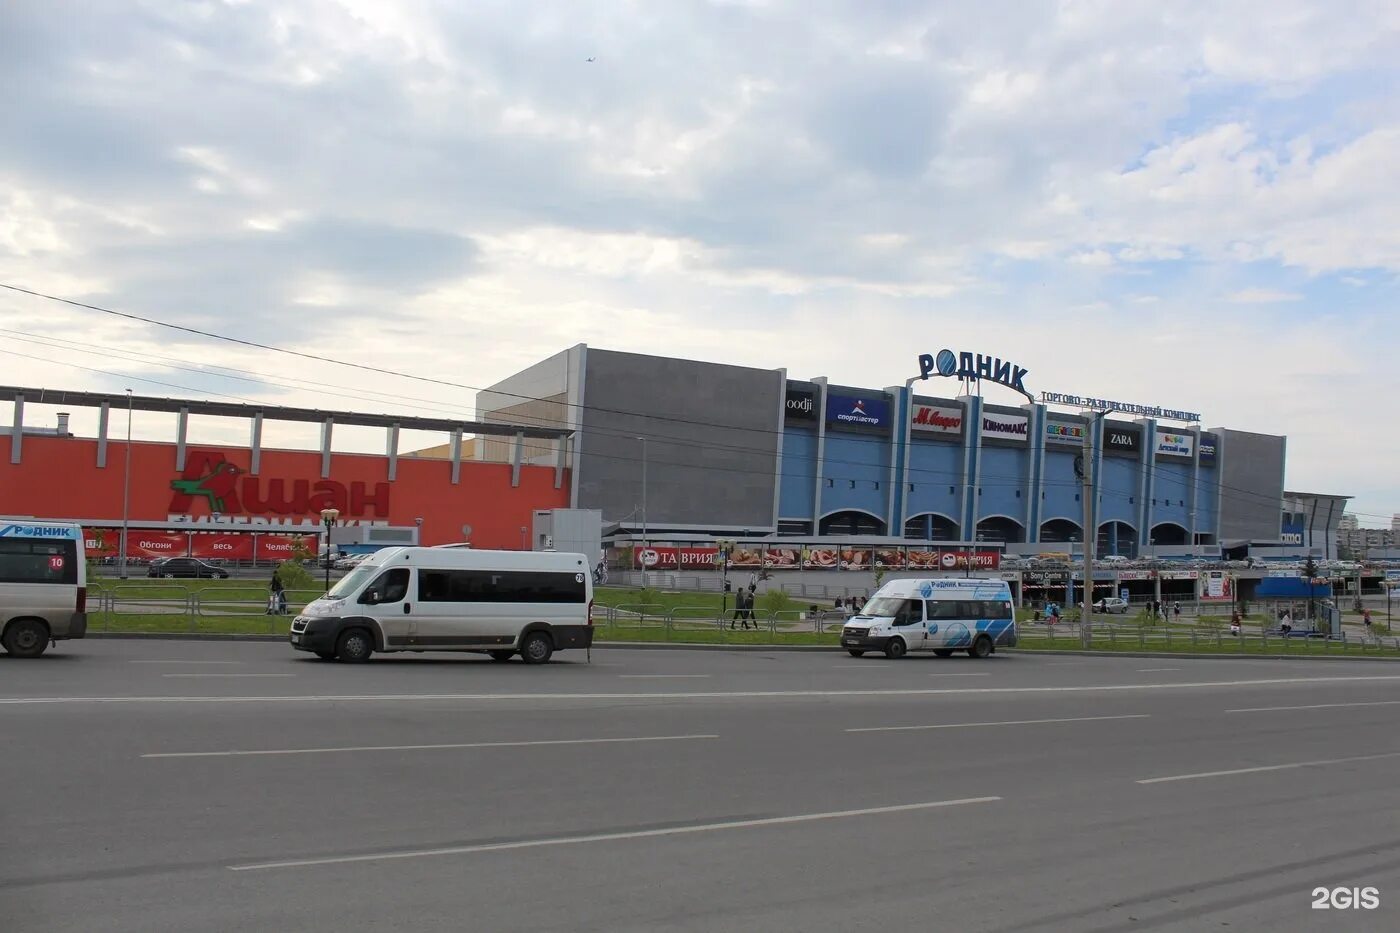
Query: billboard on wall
{"x": 858, "y": 412}
{"x": 149, "y": 545}
{"x": 1173, "y": 444}
{"x": 936, "y": 419}
{"x": 1064, "y": 432}
{"x": 800, "y": 405}
{"x": 58, "y": 478}
{"x": 1209, "y": 444}
{"x": 1217, "y": 587}
{"x": 1001, "y": 427}
{"x": 1122, "y": 438}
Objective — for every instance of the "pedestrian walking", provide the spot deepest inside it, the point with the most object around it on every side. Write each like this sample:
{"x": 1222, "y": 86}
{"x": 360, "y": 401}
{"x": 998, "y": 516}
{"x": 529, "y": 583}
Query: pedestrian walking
{"x": 1366, "y": 621}
{"x": 1235, "y": 622}
{"x": 1176, "y": 610}
{"x": 738, "y": 607}
{"x": 277, "y": 595}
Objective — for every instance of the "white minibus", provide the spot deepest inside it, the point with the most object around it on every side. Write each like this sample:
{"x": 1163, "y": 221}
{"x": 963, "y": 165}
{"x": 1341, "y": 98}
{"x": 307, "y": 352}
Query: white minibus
{"x": 43, "y": 585}
{"x": 503, "y": 603}
{"x": 939, "y": 615}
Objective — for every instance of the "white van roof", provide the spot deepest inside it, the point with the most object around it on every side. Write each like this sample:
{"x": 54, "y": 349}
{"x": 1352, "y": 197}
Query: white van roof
{"x": 472, "y": 559}
{"x": 947, "y": 588}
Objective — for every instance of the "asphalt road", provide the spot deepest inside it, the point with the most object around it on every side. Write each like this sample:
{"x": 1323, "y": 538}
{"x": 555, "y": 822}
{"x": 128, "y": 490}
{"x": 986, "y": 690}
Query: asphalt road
{"x": 177, "y": 786}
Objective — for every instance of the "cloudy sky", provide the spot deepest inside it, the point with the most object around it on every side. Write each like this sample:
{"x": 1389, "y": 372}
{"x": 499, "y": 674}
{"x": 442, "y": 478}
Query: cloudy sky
{"x": 1189, "y": 204}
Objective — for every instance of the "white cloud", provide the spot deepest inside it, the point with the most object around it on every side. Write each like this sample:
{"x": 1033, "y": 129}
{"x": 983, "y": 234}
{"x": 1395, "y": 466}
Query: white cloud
{"x": 1260, "y": 296}
{"x": 744, "y": 181}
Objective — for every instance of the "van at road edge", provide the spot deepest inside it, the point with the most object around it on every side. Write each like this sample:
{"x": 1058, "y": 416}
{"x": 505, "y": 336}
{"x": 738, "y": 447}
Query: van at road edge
{"x": 43, "y": 585}
{"x": 940, "y": 615}
{"x": 502, "y": 603}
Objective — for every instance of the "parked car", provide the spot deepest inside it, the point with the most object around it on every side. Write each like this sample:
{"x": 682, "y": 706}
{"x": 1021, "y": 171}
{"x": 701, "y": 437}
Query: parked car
{"x": 189, "y": 567}
{"x": 1112, "y": 605}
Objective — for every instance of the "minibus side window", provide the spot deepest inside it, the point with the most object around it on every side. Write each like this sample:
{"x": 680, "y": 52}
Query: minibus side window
{"x": 392, "y": 586}
{"x": 909, "y": 613}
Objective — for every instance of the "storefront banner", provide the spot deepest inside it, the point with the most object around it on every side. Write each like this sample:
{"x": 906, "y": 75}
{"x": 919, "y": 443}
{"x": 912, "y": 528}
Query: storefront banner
{"x": 933, "y": 419}
{"x": 1124, "y": 439}
{"x": 820, "y": 558}
{"x": 999, "y": 427}
{"x": 1045, "y": 577}
{"x": 685, "y": 558}
{"x": 1180, "y": 574}
{"x": 800, "y": 405}
{"x": 1135, "y": 574}
{"x": 782, "y": 558}
{"x": 848, "y": 411}
{"x": 893, "y": 558}
{"x": 151, "y": 545}
{"x": 1209, "y": 444}
{"x": 1217, "y": 587}
{"x": 1064, "y": 432}
{"x": 1171, "y": 444}
{"x": 855, "y": 558}
{"x": 283, "y": 547}
{"x": 222, "y": 547}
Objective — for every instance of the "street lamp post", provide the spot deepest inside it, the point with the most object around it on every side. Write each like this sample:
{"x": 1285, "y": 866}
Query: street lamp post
{"x": 126, "y": 490}
{"x": 1088, "y": 492}
{"x": 725, "y": 547}
{"x": 328, "y": 517}
{"x": 645, "y": 543}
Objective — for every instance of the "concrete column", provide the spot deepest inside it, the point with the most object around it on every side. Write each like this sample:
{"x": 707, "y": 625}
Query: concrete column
{"x": 104, "y": 415}
{"x": 326, "y": 430}
{"x": 820, "y": 471}
{"x": 515, "y": 456}
{"x": 255, "y": 445}
{"x": 391, "y": 450}
{"x": 182, "y": 426}
{"x": 17, "y": 438}
{"x": 456, "y": 455}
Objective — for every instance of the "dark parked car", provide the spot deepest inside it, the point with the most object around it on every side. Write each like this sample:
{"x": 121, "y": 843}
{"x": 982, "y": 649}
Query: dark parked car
{"x": 186, "y": 567}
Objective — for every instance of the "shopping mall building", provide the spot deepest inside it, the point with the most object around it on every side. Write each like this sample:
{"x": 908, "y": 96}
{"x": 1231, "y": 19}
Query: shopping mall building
{"x": 967, "y": 456}
{"x": 685, "y": 454}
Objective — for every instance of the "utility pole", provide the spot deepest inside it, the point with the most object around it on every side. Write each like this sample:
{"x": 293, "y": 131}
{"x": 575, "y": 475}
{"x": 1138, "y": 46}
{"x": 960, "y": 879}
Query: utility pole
{"x": 126, "y": 492}
{"x": 645, "y": 544}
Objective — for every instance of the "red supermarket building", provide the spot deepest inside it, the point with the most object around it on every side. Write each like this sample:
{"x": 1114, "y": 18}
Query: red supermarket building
{"x": 245, "y": 503}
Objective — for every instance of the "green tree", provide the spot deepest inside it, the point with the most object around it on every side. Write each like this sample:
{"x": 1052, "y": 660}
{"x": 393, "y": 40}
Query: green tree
{"x": 292, "y": 571}
{"x": 774, "y": 601}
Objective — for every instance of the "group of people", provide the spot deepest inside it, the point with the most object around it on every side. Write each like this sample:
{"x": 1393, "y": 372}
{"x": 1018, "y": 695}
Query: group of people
{"x": 849, "y": 604}
{"x": 743, "y": 606}
{"x": 277, "y": 598}
{"x": 1156, "y": 609}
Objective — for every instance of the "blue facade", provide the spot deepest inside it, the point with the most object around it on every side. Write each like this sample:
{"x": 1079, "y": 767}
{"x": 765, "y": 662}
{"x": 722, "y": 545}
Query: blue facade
{"x": 1002, "y": 486}
{"x": 1060, "y": 488}
{"x": 798, "y": 482}
{"x": 935, "y": 471}
{"x": 856, "y": 475}
{"x": 1172, "y": 492}
{"x": 905, "y": 476}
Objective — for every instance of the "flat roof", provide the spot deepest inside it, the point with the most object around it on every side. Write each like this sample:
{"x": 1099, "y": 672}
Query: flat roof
{"x": 79, "y": 399}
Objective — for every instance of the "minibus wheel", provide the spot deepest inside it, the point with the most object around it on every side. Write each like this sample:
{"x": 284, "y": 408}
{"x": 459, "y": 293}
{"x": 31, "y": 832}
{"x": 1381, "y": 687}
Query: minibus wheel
{"x": 536, "y": 647}
{"x": 354, "y": 646}
{"x": 26, "y": 638}
{"x": 980, "y": 648}
{"x": 895, "y": 648}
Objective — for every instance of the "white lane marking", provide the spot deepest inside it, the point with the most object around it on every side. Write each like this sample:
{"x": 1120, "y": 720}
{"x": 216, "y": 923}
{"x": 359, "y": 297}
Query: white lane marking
{"x": 1289, "y": 766}
{"x": 660, "y": 676}
{"x": 613, "y": 837}
{"x": 1278, "y": 709}
{"x": 415, "y": 748}
{"x": 1154, "y": 670}
{"x": 227, "y": 675}
{"x": 679, "y": 695}
{"x": 183, "y": 662}
{"x": 1009, "y": 722}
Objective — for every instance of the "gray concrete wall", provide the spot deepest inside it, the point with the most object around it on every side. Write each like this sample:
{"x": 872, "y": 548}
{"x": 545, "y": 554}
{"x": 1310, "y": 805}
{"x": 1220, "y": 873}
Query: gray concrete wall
{"x": 712, "y": 440}
{"x": 1251, "y": 479}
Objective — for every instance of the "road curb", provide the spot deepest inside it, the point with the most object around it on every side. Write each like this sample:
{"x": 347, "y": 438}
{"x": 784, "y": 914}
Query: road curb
{"x": 1188, "y": 655}
{"x": 683, "y": 646}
